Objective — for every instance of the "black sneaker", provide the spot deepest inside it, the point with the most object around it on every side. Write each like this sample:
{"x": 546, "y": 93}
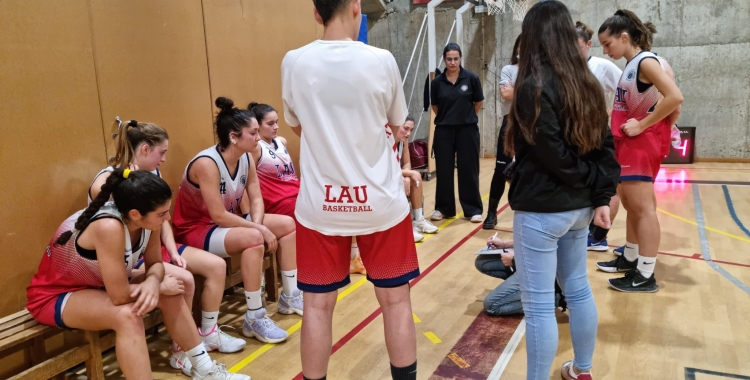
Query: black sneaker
{"x": 634, "y": 282}
{"x": 620, "y": 264}
{"x": 490, "y": 222}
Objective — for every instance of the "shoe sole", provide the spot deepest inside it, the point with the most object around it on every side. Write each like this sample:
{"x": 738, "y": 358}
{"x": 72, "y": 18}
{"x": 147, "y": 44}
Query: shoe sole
{"x": 598, "y": 248}
{"x": 210, "y": 348}
{"x": 611, "y": 270}
{"x": 633, "y": 290}
{"x": 428, "y": 232}
{"x": 617, "y": 253}
{"x": 253, "y": 334}
{"x": 290, "y": 311}
{"x": 487, "y": 227}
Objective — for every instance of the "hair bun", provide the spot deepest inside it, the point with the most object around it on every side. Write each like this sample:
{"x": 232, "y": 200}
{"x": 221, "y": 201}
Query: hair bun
{"x": 224, "y": 103}
{"x": 252, "y": 105}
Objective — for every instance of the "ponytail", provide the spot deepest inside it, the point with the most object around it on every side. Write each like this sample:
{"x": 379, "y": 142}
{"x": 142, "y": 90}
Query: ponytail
{"x": 584, "y": 32}
{"x": 625, "y": 21}
{"x": 130, "y": 135}
{"x": 138, "y": 190}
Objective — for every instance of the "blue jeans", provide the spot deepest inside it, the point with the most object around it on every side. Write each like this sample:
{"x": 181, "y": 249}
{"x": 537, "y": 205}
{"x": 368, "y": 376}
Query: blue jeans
{"x": 506, "y": 298}
{"x": 549, "y": 245}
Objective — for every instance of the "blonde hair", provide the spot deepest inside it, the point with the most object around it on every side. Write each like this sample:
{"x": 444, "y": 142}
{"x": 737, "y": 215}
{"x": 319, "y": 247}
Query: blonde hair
{"x": 130, "y": 135}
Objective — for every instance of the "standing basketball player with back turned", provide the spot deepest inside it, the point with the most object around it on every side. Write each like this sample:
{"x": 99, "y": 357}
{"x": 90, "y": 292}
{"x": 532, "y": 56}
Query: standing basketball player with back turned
{"x": 340, "y": 96}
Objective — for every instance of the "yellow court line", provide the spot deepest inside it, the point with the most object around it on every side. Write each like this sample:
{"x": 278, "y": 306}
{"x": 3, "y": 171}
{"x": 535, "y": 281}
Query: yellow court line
{"x": 432, "y": 337}
{"x": 264, "y": 348}
{"x": 416, "y": 319}
{"x": 689, "y": 221}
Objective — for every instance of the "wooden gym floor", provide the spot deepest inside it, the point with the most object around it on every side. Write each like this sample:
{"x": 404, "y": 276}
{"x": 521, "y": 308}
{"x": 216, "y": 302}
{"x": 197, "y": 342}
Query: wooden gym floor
{"x": 697, "y": 326}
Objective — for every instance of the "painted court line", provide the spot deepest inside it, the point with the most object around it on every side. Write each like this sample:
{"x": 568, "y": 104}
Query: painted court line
{"x": 707, "y": 228}
{"x": 346, "y": 338}
{"x": 732, "y": 212}
{"x": 704, "y": 243}
{"x": 510, "y": 348}
{"x": 266, "y": 347}
{"x": 690, "y": 374}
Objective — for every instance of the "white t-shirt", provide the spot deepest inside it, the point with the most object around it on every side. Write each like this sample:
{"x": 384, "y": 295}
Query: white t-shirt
{"x": 345, "y": 94}
{"x": 508, "y": 76}
{"x": 607, "y": 73}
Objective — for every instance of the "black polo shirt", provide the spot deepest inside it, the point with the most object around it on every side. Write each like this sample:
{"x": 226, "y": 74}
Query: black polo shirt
{"x": 455, "y": 102}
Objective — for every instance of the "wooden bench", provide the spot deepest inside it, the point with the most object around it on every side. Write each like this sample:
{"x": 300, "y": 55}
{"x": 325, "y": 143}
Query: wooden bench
{"x": 20, "y": 331}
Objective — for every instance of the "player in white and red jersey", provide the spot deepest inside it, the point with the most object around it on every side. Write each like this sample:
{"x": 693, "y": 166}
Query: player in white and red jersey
{"x": 279, "y": 183}
{"x": 86, "y": 280}
{"x": 646, "y": 97}
{"x": 412, "y": 181}
{"x": 144, "y": 146}
{"x": 340, "y": 95}
{"x": 207, "y": 215}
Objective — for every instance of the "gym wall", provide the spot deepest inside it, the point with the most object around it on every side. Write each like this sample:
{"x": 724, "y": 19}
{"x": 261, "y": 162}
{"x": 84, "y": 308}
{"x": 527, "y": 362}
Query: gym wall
{"x": 68, "y": 68}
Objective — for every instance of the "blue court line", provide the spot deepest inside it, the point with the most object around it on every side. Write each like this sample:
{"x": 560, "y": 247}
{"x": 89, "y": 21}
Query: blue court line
{"x": 690, "y": 374}
{"x": 732, "y": 212}
{"x": 705, "y": 251}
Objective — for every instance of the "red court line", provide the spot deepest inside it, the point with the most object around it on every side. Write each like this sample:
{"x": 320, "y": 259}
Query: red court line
{"x": 346, "y": 338}
{"x": 696, "y": 256}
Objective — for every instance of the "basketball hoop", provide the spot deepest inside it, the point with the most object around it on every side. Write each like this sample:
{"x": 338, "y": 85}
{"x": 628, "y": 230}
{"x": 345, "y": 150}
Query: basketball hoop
{"x": 518, "y": 7}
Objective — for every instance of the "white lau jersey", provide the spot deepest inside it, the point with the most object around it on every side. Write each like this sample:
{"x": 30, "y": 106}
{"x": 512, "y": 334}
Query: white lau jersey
{"x": 344, "y": 94}
{"x": 606, "y": 72}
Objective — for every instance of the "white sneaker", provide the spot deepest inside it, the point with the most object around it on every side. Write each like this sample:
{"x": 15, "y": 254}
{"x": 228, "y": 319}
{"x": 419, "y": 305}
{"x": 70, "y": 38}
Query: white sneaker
{"x": 179, "y": 360}
{"x": 262, "y": 328}
{"x": 291, "y": 304}
{"x": 219, "y": 372}
{"x": 424, "y": 226}
{"x": 417, "y": 236}
{"x": 437, "y": 215}
{"x": 219, "y": 340}
{"x": 476, "y": 219}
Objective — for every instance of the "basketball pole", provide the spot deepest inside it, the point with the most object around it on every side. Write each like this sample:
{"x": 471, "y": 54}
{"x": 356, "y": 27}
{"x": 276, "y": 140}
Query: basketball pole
{"x": 432, "y": 64}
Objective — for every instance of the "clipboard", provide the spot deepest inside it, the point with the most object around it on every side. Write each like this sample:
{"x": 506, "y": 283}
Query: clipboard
{"x": 485, "y": 251}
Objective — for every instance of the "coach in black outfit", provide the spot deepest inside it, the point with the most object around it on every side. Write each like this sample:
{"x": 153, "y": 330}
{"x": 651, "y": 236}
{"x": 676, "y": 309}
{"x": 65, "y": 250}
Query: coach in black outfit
{"x": 456, "y": 97}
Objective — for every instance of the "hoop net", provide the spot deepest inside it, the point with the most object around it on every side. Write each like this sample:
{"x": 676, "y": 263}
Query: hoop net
{"x": 518, "y": 7}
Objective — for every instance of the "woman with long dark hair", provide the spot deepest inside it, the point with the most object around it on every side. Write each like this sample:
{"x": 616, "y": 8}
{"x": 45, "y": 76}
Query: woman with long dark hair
{"x": 565, "y": 174}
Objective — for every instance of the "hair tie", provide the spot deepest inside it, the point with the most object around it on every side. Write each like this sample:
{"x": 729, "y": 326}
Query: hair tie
{"x": 126, "y": 173}
{"x": 133, "y": 123}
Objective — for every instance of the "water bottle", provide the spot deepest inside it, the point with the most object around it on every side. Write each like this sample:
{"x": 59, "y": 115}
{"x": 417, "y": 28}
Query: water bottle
{"x": 676, "y": 139}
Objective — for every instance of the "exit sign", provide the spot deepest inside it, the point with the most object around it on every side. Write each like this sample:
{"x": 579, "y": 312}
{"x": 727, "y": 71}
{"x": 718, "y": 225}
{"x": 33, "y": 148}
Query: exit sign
{"x": 685, "y": 152}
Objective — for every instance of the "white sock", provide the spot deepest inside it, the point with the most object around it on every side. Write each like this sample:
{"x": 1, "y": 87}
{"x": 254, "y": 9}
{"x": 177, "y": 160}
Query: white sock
{"x": 631, "y": 251}
{"x": 208, "y": 321}
{"x": 254, "y": 301}
{"x": 289, "y": 282}
{"x": 200, "y": 360}
{"x": 646, "y": 266}
{"x": 355, "y": 252}
{"x": 417, "y": 214}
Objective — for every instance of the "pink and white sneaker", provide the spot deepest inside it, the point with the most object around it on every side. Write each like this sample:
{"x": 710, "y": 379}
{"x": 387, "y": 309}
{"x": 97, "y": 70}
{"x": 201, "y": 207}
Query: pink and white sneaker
{"x": 568, "y": 373}
{"x": 179, "y": 360}
{"x": 219, "y": 340}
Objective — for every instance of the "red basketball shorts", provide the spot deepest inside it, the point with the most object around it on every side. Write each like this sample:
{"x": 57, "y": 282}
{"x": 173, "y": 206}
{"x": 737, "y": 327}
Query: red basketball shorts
{"x": 48, "y": 309}
{"x": 389, "y": 256}
{"x": 640, "y": 157}
{"x": 284, "y": 207}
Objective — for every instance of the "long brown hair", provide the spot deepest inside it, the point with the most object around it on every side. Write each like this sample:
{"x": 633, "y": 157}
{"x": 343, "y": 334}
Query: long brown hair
{"x": 130, "y": 135}
{"x": 548, "y": 38}
{"x": 641, "y": 34}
